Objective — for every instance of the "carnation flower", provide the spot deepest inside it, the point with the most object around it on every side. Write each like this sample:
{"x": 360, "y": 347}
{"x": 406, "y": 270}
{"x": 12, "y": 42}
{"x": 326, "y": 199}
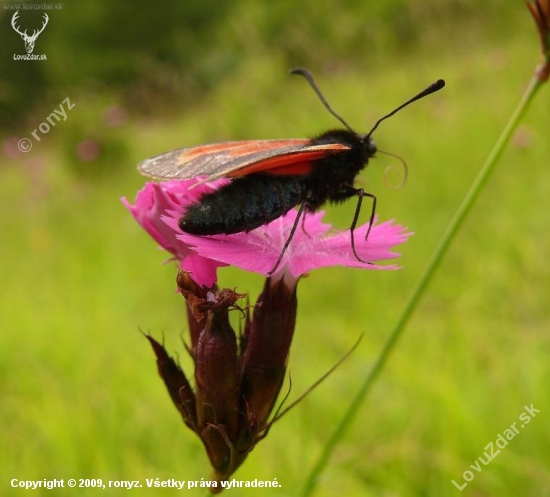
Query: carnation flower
{"x": 237, "y": 378}
{"x": 159, "y": 206}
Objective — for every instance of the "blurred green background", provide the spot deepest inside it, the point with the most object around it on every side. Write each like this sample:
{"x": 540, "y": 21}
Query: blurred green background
{"x": 78, "y": 382}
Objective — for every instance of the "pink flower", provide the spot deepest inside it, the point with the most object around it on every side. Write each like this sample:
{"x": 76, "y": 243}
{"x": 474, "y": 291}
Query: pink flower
{"x": 311, "y": 248}
{"x": 238, "y": 378}
{"x": 159, "y": 207}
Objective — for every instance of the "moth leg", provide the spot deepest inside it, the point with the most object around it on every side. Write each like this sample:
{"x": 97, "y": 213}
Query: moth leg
{"x": 360, "y": 195}
{"x": 290, "y": 236}
{"x": 303, "y": 223}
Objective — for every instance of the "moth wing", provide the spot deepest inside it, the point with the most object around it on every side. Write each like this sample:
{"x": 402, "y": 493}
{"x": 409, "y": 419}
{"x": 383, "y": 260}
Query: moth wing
{"x": 238, "y": 158}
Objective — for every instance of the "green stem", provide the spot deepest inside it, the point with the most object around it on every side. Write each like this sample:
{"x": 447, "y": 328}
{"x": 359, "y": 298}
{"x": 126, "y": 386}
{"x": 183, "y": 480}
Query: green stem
{"x": 439, "y": 253}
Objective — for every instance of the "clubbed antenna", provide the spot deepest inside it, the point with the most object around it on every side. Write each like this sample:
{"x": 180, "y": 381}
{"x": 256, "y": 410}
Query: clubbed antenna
{"x": 428, "y": 91}
{"x": 306, "y": 74}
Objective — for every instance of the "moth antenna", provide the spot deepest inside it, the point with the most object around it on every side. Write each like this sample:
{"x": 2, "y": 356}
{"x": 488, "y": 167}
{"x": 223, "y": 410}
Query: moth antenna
{"x": 391, "y": 168}
{"x": 428, "y": 91}
{"x": 306, "y": 74}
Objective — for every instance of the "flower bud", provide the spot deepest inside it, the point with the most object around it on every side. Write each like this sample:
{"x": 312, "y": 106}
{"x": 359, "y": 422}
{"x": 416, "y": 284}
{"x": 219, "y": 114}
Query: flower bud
{"x": 267, "y": 337}
{"x": 540, "y": 9}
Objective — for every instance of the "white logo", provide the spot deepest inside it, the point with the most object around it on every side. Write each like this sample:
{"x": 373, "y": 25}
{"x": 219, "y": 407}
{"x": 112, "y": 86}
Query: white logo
{"x": 29, "y": 40}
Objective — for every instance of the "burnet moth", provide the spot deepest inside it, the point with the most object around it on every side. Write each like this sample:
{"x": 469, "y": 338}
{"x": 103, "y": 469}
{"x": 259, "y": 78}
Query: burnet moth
{"x": 270, "y": 177}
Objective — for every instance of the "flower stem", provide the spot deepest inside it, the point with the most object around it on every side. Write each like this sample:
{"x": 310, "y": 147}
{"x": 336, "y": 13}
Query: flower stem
{"x": 440, "y": 251}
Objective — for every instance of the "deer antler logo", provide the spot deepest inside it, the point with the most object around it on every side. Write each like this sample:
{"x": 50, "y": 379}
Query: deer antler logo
{"x": 29, "y": 40}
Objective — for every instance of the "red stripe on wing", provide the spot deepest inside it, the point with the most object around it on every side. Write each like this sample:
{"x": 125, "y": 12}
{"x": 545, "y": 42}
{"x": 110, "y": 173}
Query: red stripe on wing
{"x": 235, "y": 149}
{"x": 233, "y": 159}
{"x": 294, "y": 164}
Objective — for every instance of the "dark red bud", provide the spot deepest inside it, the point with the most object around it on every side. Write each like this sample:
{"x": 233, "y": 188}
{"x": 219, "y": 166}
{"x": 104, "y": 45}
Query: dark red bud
{"x": 268, "y": 339}
{"x": 176, "y": 383}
